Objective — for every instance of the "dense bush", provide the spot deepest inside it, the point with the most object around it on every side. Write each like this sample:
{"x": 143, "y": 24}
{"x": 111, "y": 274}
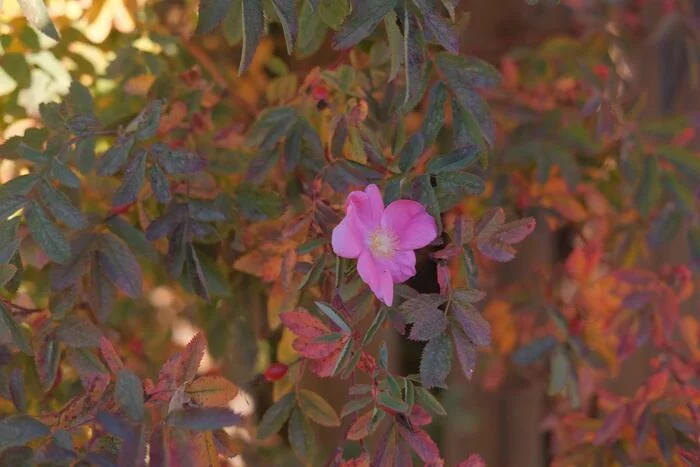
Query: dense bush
{"x": 221, "y": 166}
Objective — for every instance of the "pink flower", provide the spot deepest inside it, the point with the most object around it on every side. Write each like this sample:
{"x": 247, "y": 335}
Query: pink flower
{"x": 382, "y": 239}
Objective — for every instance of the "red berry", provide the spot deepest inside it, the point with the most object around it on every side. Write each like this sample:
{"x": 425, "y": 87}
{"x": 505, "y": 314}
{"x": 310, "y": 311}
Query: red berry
{"x": 319, "y": 92}
{"x": 276, "y": 372}
{"x": 117, "y": 210}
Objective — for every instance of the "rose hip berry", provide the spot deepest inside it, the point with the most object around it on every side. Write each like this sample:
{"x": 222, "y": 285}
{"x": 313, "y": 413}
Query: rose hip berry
{"x": 276, "y": 372}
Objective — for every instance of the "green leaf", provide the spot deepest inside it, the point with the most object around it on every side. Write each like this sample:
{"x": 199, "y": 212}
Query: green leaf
{"x": 333, "y": 12}
{"x": 232, "y": 26}
{"x": 120, "y": 265}
{"x": 459, "y": 159}
{"x": 301, "y": 436}
{"x": 133, "y": 237}
{"x": 9, "y": 240}
{"x": 453, "y": 187}
{"x": 559, "y": 372}
{"x": 115, "y": 157}
{"x": 253, "y": 23}
{"x": 11, "y": 204}
{"x": 429, "y": 401}
{"x": 132, "y": 181}
{"x": 80, "y": 99}
{"x": 128, "y": 393}
{"x": 411, "y": 151}
{"x": 362, "y": 22}
{"x": 46, "y": 234}
{"x": 38, "y": 16}
{"x": 317, "y": 409}
{"x": 15, "y": 65}
{"x": 375, "y": 326}
{"x": 274, "y": 417}
{"x": 534, "y": 350}
{"x": 159, "y": 184}
{"x": 177, "y": 161}
{"x": 355, "y": 405}
{"x": 11, "y": 331}
{"x": 649, "y": 189}
{"x": 395, "y": 39}
{"x": 7, "y": 271}
{"x": 685, "y": 199}
{"x": 312, "y": 31}
{"x": 387, "y": 400}
{"x": 286, "y": 12}
{"x": 17, "y": 390}
{"x": 685, "y": 160}
{"x": 77, "y": 332}
{"x": 61, "y": 207}
{"x": 147, "y": 121}
{"x": 211, "y": 12}
{"x": 18, "y": 430}
{"x": 472, "y": 71}
{"x": 343, "y": 358}
{"x": 84, "y": 154}
{"x": 327, "y": 310}
{"x": 436, "y": 362}
{"x": 414, "y": 60}
{"x": 21, "y": 185}
{"x": 435, "y": 116}
{"x": 64, "y": 174}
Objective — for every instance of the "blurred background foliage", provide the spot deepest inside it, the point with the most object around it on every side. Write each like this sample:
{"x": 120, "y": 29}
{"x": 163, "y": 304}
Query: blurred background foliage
{"x": 594, "y": 133}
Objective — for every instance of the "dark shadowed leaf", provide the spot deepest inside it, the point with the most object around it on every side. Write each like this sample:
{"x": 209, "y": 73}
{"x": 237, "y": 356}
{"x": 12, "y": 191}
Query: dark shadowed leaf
{"x": 159, "y": 184}
{"x": 133, "y": 237}
{"x": 430, "y": 323}
{"x": 301, "y": 436}
{"x": 475, "y": 326}
{"x": 101, "y": 293}
{"x": 211, "y": 12}
{"x": 17, "y": 430}
{"x": 317, "y": 409}
{"x": 665, "y": 226}
{"x": 120, "y": 264}
{"x": 204, "y": 418}
{"x": 276, "y": 416}
{"x": 167, "y": 223}
{"x": 411, "y": 151}
{"x": 435, "y": 362}
{"x": 11, "y": 204}
{"x": 415, "y": 307}
{"x": 470, "y": 71}
{"x": 38, "y": 16}
{"x": 46, "y": 234}
{"x": 466, "y": 352}
{"x": 7, "y": 271}
{"x": 685, "y": 160}
{"x": 77, "y": 332}
{"x": 286, "y": 12}
{"x": 177, "y": 161}
{"x": 459, "y": 159}
{"x": 115, "y": 157}
{"x": 534, "y": 350}
{"x": 438, "y": 28}
{"x": 414, "y": 61}
{"x": 48, "y": 356}
{"x": 9, "y": 240}
{"x": 435, "y": 116}
{"x": 17, "y": 390}
{"x": 362, "y": 22}
{"x": 253, "y": 25}
{"x": 132, "y": 181}
{"x": 11, "y": 332}
{"x": 61, "y": 207}
{"x": 128, "y": 393}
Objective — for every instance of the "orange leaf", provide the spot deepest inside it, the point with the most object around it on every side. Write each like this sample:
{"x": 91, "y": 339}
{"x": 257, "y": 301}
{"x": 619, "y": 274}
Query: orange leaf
{"x": 212, "y": 391}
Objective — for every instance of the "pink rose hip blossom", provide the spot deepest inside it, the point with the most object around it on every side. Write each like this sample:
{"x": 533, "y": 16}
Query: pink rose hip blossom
{"x": 382, "y": 239}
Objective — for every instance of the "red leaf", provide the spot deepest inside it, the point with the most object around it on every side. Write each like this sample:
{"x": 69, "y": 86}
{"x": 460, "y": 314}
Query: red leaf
{"x": 497, "y": 251}
{"x": 421, "y": 443}
{"x": 360, "y": 427}
{"x": 362, "y": 461}
{"x": 110, "y": 355}
{"x": 403, "y": 454}
{"x": 474, "y": 460}
{"x": 386, "y": 451}
{"x": 475, "y": 326}
{"x": 314, "y": 350}
{"x": 612, "y": 426}
{"x": 324, "y": 367}
{"x": 419, "y": 416}
{"x": 489, "y": 224}
{"x": 192, "y": 356}
{"x": 516, "y": 231}
{"x": 443, "y": 276}
{"x": 304, "y": 324}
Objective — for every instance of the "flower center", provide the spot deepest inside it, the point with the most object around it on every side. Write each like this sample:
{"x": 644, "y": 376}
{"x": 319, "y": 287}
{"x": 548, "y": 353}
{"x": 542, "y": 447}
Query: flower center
{"x": 382, "y": 242}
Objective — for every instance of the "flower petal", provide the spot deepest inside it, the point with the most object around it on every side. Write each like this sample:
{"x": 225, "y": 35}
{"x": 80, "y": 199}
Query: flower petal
{"x": 369, "y": 271}
{"x": 387, "y": 288}
{"x": 347, "y": 240}
{"x": 411, "y": 223}
{"x": 367, "y": 205}
{"x": 402, "y": 265}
